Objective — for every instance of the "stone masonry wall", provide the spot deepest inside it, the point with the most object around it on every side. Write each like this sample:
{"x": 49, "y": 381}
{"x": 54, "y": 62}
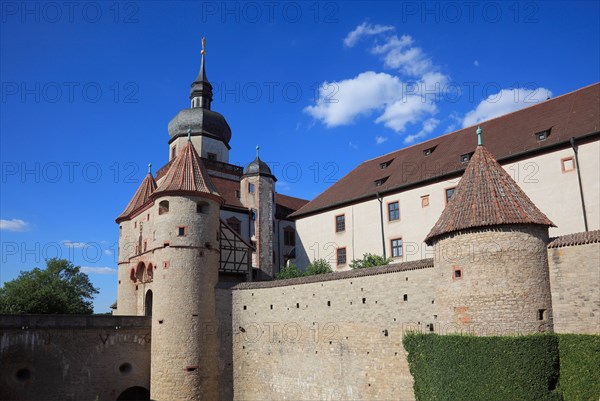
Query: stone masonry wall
{"x": 575, "y": 281}
{"x": 327, "y": 338}
{"x": 72, "y": 358}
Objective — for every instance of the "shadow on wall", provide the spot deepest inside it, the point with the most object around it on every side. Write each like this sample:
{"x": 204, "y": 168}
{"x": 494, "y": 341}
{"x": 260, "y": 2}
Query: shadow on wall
{"x": 134, "y": 394}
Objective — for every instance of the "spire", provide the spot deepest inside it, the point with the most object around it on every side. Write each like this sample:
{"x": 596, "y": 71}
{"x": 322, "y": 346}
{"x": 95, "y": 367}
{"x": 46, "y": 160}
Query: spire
{"x": 201, "y": 92}
{"x": 140, "y": 198}
{"x": 257, "y": 149}
{"x": 187, "y": 176}
{"x": 486, "y": 196}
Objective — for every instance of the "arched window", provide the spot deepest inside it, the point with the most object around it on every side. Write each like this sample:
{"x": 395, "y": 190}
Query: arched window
{"x": 139, "y": 271}
{"x": 132, "y": 275}
{"x": 163, "y": 207}
{"x": 150, "y": 272}
{"x": 202, "y": 207}
{"x": 148, "y": 303}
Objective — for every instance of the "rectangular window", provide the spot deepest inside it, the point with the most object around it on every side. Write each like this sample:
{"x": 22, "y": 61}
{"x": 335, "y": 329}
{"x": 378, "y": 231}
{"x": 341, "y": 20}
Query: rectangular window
{"x": 341, "y": 256}
{"x": 397, "y": 248}
{"x": 173, "y": 152}
{"x": 425, "y": 201}
{"x": 211, "y": 156}
{"x": 567, "y": 164}
{"x": 340, "y": 223}
{"x": 449, "y": 193}
{"x": 251, "y": 188}
{"x": 289, "y": 237}
{"x": 393, "y": 211}
{"x": 181, "y": 231}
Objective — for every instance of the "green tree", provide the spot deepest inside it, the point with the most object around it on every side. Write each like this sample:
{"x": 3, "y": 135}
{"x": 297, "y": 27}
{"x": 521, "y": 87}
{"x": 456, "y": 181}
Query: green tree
{"x": 369, "y": 260}
{"x": 319, "y": 266}
{"x": 60, "y": 288}
{"x": 289, "y": 271}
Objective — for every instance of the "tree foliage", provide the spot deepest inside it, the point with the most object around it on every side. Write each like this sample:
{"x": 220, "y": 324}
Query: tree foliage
{"x": 61, "y": 288}
{"x": 319, "y": 266}
{"x": 289, "y": 271}
{"x": 369, "y": 260}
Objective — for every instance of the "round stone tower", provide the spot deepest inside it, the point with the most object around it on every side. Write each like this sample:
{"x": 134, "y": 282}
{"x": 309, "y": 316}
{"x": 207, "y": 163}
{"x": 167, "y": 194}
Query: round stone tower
{"x": 186, "y": 213}
{"x": 491, "y": 264}
{"x": 257, "y": 190}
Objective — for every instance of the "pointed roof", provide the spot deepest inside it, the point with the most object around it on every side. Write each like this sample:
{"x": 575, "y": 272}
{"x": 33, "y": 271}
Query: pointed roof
{"x": 201, "y": 87}
{"x": 486, "y": 196}
{"x": 187, "y": 176}
{"x": 140, "y": 198}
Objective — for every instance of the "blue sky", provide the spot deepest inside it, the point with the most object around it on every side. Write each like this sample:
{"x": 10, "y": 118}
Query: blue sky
{"x": 88, "y": 90}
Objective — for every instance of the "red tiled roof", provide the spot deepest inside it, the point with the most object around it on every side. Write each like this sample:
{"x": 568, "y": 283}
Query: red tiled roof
{"x": 486, "y": 196}
{"x": 289, "y": 202}
{"x": 575, "y": 114}
{"x": 140, "y": 197}
{"x": 227, "y": 189}
{"x": 583, "y": 238}
{"x": 187, "y": 175}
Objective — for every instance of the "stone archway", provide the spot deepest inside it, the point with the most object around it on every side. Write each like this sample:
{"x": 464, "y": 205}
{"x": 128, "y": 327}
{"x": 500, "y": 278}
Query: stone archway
{"x": 134, "y": 394}
{"x": 148, "y": 303}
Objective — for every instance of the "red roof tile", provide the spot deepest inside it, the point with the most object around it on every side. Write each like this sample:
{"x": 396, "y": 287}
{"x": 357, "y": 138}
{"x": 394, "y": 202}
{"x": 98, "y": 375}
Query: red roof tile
{"x": 289, "y": 202}
{"x": 187, "y": 175}
{"x": 583, "y": 238}
{"x": 228, "y": 190}
{"x": 576, "y": 114}
{"x": 140, "y": 197}
{"x": 486, "y": 196}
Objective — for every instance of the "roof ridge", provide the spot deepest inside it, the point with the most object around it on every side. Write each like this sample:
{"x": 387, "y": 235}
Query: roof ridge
{"x": 140, "y": 197}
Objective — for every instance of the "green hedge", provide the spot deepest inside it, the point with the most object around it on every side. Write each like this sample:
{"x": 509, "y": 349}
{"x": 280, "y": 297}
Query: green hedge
{"x": 579, "y": 367}
{"x": 457, "y": 368}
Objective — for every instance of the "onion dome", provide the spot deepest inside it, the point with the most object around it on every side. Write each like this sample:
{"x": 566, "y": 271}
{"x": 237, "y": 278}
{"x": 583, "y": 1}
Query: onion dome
{"x": 187, "y": 176}
{"x": 258, "y": 167}
{"x": 486, "y": 196}
{"x": 140, "y": 198}
{"x": 200, "y": 118}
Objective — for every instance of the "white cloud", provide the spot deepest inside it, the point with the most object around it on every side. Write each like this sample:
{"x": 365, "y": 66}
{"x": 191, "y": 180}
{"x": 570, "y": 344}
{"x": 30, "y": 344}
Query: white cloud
{"x": 352, "y": 145}
{"x": 399, "y": 54}
{"x": 476, "y": 63}
{"x": 98, "y": 270}
{"x": 365, "y": 29}
{"x": 70, "y": 244}
{"x": 380, "y": 139}
{"x": 340, "y": 102}
{"x": 428, "y": 126}
{"x": 409, "y": 110}
{"x": 505, "y": 101}
{"x": 14, "y": 225}
{"x": 108, "y": 252}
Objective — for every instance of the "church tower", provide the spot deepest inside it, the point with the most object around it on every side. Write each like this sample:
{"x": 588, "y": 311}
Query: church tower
{"x": 491, "y": 263}
{"x": 257, "y": 190}
{"x": 209, "y": 130}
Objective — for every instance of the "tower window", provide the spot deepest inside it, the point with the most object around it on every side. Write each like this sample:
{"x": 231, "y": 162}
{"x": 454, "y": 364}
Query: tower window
{"x": 393, "y": 211}
{"x": 202, "y": 207}
{"x": 542, "y": 314}
{"x": 250, "y": 188}
{"x": 163, "y": 207}
{"x": 340, "y": 223}
{"x": 341, "y": 256}
{"x": 237, "y": 193}
{"x": 457, "y": 273}
{"x": 181, "y": 231}
{"x": 211, "y": 156}
{"x": 173, "y": 152}
{"x": 397, "y": 248}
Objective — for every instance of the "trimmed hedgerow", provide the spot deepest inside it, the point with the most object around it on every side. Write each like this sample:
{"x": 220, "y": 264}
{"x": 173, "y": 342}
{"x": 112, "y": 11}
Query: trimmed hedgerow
{"x": 579, "y": 366}
{"x": 457, "y": 368}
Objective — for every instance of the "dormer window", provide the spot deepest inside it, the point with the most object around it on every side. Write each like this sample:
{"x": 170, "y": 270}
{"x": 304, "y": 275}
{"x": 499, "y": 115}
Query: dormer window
{"x": 381, "y": 181}
{"x": 385, "y": 165}
{"x": 429, "y": 151}
{"x": 542, "y": 136}
{"x": 466, "y": 157}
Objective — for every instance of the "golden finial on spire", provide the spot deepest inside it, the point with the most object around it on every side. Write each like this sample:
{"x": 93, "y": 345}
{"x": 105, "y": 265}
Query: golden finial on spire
{"x": 203, "y": 52}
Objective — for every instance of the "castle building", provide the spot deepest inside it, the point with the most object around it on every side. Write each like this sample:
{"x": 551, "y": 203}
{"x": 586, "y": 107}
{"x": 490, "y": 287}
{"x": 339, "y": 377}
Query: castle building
{"x": 199, "y": 318}
{"x": 386, "y": 205}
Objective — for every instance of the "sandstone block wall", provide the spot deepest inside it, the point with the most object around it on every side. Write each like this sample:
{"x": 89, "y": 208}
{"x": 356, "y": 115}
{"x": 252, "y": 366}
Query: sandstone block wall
{"x": 72, "y": 358}
{"x": 326, "y": 340}
{"x": 575, "y": 283}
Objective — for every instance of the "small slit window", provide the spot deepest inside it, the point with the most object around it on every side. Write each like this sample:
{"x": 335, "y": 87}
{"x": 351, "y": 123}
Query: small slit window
{"x": 457, "y": 274}
{"x": 385, "y": 164}
{"x": 202, "y": 207}
{"x": 466, "y": 157}
{"x": 251, "y": 188}
{"x": 428, "y": 151}
{"x": 542, "y": 314}
{"x": 211, "y": 156}
{"x": 181, "y": 231}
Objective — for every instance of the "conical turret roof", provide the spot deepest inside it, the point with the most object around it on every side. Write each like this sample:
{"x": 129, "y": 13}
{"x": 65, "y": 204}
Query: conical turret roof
{"x": 140, "y": 198}
{"x": 486, "y": 196}
{"x": 187, "y": 176}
